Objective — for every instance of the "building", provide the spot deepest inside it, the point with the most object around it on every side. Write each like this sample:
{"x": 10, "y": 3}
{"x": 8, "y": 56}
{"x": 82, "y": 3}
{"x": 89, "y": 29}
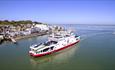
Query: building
{"x": 1, "y": 36}
{"x": 42, "y": 26}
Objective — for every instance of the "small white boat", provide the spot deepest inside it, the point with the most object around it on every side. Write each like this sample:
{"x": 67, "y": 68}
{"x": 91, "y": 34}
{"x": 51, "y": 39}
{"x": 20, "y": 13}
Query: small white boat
{"x": 56, "y": 42}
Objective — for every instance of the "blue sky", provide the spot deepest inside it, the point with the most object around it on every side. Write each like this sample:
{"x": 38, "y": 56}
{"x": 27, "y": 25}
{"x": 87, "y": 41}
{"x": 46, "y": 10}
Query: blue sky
{"x": 59, "y": 11}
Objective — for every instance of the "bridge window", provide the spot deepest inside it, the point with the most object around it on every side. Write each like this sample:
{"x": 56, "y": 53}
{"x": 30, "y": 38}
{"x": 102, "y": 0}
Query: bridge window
{"x": 52, "y": 47}
{"x": 46, "y": 49}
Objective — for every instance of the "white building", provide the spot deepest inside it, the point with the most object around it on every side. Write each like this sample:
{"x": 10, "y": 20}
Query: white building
{"x": 27, "y": 31}
{"x": 42, "y": 26}
{"x": 1, "y": 37}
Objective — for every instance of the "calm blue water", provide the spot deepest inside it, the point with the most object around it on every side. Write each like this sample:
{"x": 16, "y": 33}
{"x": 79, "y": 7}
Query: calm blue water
{"x": 95, "y": 51}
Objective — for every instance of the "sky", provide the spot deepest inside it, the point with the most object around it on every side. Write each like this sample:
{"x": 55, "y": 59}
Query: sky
{"x": 59, "y": 11}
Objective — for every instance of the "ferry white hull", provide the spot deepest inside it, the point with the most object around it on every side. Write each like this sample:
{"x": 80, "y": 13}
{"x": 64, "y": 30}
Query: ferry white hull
{"x": 53, "y": 51}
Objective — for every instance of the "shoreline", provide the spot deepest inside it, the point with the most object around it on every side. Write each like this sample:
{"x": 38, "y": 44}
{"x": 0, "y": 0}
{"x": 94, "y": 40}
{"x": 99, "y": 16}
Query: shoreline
{"x": 30, "y": 36}
{"x": 16, "y": 30}
{"x": 15, "y": 40}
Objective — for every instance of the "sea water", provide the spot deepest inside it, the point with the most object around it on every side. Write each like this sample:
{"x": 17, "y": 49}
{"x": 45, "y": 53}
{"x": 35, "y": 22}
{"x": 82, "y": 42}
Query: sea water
{"x": 95, "y": 51}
